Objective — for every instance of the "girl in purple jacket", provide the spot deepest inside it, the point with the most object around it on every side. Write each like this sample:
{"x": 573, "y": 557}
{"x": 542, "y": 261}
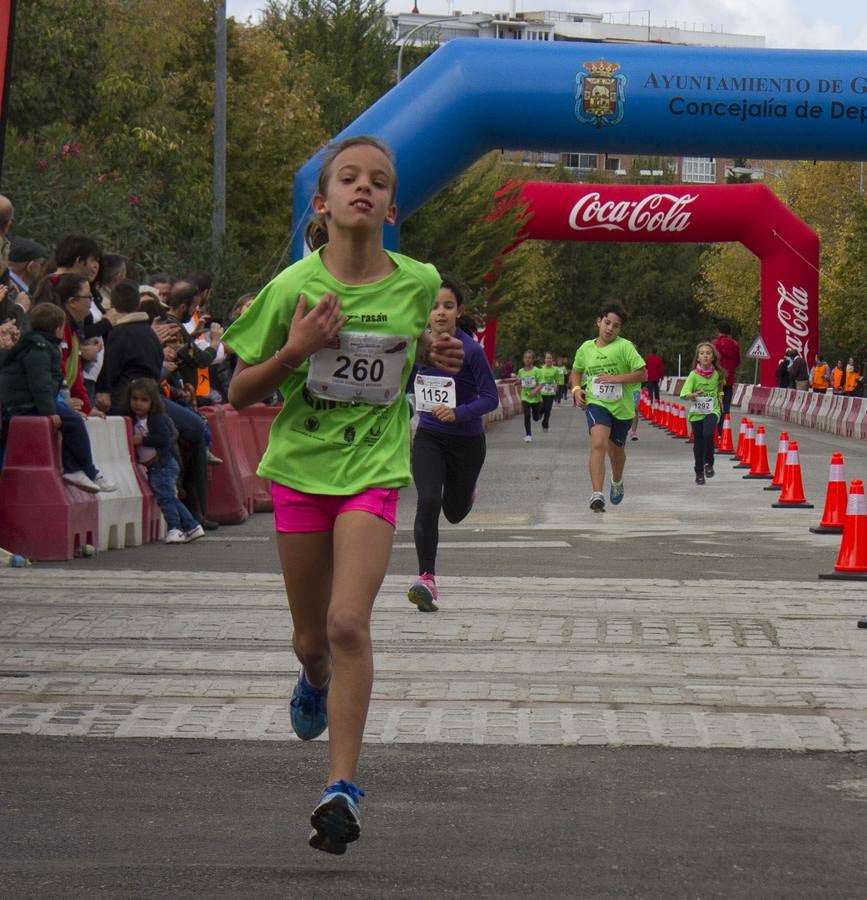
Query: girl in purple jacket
{"x": 449, "y": 446}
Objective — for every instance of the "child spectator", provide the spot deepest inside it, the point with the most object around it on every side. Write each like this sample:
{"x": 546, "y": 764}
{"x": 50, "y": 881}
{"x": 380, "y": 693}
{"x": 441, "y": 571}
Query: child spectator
{"x": 154, "y": 436}
{"x": 30, "y": 379}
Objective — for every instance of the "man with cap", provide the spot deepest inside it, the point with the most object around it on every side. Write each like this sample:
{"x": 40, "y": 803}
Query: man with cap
{"x": 26, "y": 263}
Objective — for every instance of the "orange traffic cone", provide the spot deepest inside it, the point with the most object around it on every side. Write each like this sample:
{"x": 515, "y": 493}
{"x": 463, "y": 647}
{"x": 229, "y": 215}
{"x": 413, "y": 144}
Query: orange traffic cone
{"x": 759, "y": 460}
{"x": 725, "y": 444}
{"x": 834, "y": 515}
{"x": 852, "y": 558}
{"x": 747, "y": 451}
{"x": 792, "y": 495}
{"x": 782, "y": 448}
{"x": 742, "y": 430}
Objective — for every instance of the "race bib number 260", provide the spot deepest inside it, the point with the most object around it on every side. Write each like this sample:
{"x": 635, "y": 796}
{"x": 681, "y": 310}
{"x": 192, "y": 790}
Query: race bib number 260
{"x": 364, "y": 368}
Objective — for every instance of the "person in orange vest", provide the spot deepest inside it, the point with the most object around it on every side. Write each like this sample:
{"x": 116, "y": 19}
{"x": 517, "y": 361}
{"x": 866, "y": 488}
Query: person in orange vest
{"x": 820, "y": 375}
{"x": 853, "y": 377}
{"x": 198, "y": 326}
{"x": 838, "y": 376}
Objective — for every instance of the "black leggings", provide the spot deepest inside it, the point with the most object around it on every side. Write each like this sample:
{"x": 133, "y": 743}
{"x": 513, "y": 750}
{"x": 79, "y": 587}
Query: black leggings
{"x": 534, "y": 409}
{"x": 702, "y": 447}
{"x": 547, "y": 404}
{"x": 445, "y": 468}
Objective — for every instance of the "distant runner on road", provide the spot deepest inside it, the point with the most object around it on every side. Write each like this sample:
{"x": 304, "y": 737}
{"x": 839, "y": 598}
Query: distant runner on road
{"x": 605, "y": 373}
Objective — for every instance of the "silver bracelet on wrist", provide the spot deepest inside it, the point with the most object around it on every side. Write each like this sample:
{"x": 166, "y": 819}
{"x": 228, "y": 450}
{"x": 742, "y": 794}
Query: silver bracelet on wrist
{"x": 284, "y": 364}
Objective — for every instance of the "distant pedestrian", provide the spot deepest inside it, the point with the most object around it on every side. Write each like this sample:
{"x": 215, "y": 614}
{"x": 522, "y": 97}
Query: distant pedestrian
{"x": 729, "y": 354}
{"x": 655, "y": 373}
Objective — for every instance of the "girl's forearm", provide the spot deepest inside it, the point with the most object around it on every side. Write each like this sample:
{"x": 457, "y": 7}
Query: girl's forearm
{"x": 251, "y": 384}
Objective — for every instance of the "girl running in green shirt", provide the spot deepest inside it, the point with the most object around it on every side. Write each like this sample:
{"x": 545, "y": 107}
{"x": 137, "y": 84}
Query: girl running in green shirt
{"x": 337, "y": 333}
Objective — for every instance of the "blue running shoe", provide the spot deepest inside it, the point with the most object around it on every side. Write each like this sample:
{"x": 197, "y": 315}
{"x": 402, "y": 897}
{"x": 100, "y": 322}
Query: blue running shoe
{"x": 616, "y": 493}
{"x": 336, "y": 821}
{"x": 308, "y": 709}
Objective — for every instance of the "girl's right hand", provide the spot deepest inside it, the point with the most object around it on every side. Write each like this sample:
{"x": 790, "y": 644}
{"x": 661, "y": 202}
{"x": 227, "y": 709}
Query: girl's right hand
{"x": 311, "y": 331}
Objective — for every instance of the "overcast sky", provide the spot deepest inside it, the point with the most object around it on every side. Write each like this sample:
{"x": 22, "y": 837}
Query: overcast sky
{"x": 829, "y": 25}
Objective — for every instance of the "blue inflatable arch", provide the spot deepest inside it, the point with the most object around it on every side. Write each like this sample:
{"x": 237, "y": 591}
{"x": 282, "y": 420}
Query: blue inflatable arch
{"x": 473, "y": 96}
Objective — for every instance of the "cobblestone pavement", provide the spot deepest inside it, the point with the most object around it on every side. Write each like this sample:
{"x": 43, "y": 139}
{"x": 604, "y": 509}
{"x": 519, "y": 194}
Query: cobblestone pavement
{"x": 676, "y": 663}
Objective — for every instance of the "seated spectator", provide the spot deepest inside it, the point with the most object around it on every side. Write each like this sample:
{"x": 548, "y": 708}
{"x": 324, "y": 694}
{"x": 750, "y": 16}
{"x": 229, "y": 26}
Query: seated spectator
{"x": 154, "y": 436}
{"x": 27, "y": 260}
{"x": 133, "y": 350}
{"x": 71, "y": 292}
{"x": 30, "y": 381}
{"x": 138, "y": 353}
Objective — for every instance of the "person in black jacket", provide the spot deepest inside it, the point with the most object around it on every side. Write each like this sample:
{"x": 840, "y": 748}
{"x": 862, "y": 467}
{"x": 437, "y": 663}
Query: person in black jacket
{"x": 30, "y": 381}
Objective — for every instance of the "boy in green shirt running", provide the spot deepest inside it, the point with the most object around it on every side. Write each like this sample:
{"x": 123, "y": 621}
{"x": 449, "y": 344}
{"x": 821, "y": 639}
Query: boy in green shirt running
{"x": 602, "y": 378}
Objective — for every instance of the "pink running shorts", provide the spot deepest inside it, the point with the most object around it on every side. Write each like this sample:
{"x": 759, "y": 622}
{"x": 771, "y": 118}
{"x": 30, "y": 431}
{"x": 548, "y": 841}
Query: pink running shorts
{"x": 297, "y": 512}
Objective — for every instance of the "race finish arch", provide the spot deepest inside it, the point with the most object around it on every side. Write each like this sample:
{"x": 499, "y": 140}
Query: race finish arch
{"x": 472, "y": 96}
{"x": 751, "y": 214}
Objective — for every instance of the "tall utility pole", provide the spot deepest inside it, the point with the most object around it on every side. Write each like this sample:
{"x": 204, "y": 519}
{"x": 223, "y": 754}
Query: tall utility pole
{"x": 219, "y": 167}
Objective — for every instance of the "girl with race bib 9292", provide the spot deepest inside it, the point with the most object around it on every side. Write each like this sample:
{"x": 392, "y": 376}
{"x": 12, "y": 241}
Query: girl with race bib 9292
{"x": 337, "y": 333}
{"x": 449, "y": 446}
{"x": 605, "y": 374}
{"x": 703, "y": 386}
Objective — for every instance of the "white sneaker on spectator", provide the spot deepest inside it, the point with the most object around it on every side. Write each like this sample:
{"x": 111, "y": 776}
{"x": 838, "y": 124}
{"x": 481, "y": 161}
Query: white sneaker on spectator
{"x": 176, "y": 536}
{"x": 194, "y": 533}
{"x": 104, "y": 484}
{"x": 80, "y": 480}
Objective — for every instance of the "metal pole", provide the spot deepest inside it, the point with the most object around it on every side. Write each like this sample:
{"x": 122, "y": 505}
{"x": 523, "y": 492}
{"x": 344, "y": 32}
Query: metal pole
{"x": 219, "y": 167}
{"x": 411, "y": 32}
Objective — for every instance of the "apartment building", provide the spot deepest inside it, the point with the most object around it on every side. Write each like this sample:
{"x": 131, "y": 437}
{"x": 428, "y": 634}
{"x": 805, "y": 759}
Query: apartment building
{"x": 418, "y": 29}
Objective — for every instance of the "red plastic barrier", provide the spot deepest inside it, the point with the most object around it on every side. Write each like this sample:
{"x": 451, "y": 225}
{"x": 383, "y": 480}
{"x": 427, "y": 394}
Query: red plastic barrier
{"x": 256, "y": 421}
{"x": 227, "y": 500}
{"x": 758, "y": 401}
{"x": 244, "y": 455}
{"x": 41, "y": 516}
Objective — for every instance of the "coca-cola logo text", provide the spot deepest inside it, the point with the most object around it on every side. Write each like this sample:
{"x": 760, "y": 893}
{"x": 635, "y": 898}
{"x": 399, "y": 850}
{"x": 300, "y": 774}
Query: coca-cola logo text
{"x": 792, "y": 313}
{"x": 655, "y": 212}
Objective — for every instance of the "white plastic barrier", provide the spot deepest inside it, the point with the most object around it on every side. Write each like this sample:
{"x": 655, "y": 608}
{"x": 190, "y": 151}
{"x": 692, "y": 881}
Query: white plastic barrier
{"x": 119, "y": 512}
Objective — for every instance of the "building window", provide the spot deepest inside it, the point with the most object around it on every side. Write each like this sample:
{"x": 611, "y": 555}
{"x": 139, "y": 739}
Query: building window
{"x": 612, "y": 164}
{"x": 699, "y": 170}
{"x": 583, "y": 161}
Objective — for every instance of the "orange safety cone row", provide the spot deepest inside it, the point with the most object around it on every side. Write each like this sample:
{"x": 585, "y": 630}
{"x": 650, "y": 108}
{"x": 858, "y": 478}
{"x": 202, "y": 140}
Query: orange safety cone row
{"x": 792, "y": 495}
{"x": 836, "y": 501}
{"x": 759, "y": 460}
{"x": 780, "y": 465}
{"x": 742, "y": 430}
{"x": 852, "y": 559}
{"x": 725, "y": 443}
{"x": 747, "y": 451}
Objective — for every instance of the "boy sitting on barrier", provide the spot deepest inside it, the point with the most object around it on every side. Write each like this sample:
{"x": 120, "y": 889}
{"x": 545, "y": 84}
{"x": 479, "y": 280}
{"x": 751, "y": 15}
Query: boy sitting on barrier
{"x": 30, "y": 384}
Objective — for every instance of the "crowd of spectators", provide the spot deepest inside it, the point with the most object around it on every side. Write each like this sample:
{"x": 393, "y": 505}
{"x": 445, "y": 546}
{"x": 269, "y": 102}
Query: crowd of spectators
{"x": 822, "y": 378}
{"x": 77, "y": 329}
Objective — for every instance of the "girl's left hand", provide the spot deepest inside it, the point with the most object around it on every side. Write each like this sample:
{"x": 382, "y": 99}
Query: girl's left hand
{"x": 446, "y": 353}
{"x": 443, "y": 413}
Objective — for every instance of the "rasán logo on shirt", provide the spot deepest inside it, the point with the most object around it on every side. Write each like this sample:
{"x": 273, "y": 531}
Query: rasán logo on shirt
{"x": 367, "y": 318}
{"x": 600, "y": 95}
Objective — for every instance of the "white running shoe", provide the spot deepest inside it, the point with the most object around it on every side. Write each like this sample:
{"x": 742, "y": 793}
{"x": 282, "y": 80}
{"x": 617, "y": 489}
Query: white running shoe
{"x": 527, "y": 439}
{"x": 194, "y": 533}
{"x": 176, "y": 536}
{"x": 80, "y": 480}
{"x": 104, "y": 484}
{"x": 597, "y": 501}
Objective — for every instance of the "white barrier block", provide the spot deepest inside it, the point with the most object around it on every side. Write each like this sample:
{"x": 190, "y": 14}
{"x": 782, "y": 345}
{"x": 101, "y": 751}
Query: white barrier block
{"x": 120, "y": 512}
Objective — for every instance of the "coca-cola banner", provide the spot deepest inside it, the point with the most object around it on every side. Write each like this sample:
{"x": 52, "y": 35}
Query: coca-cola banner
{"x": 750, "y": 213}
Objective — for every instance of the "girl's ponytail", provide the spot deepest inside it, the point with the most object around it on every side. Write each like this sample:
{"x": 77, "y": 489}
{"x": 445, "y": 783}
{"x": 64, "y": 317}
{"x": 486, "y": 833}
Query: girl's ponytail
{"x": 316, "y": 233}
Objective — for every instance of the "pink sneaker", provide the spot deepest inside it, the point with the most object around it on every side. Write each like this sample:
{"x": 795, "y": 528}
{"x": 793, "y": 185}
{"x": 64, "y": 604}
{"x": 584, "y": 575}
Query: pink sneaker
{"x": 424, "y": 593}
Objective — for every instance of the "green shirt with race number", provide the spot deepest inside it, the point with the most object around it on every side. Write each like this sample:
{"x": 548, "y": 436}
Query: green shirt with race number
{"x": 711, "y": 386}
{"x": 323, "y": 446}
{"x": 548, "y": 378}
{"x": 619, "y": 357}
{"x": 529, "y": 379}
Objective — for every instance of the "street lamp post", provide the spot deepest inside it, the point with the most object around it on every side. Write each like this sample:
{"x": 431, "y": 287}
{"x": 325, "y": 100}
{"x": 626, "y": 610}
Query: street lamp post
{"x": 470, "y": 20}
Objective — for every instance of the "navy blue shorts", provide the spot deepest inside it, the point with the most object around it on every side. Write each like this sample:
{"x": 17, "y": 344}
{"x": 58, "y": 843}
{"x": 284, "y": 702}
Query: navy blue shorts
{"x": 599, "y": 415}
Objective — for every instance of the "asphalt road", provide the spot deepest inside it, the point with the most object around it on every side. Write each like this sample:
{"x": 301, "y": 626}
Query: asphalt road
{"x": 635, "y": 704}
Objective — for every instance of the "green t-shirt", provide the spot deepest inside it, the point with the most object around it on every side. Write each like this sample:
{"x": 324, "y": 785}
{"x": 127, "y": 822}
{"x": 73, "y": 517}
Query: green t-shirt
{"x": 548, "y": 378}
{"x": 710, "y": 387}
{"x": 616, "y": 358}
{"x": 561, "y": 374}
{"x": 324, "y": 446}
{"x": 529, "y": 379}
